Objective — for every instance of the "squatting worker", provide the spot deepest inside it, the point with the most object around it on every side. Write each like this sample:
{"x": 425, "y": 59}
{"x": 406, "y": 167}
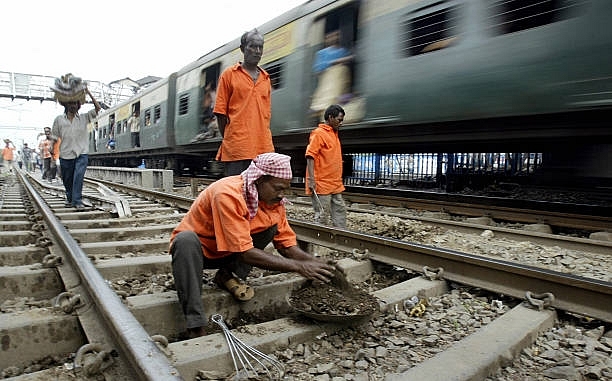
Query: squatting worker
{"x": 243, "y": 108}
{"x": 324, "y": 169}
{"x": 227, "y": 228}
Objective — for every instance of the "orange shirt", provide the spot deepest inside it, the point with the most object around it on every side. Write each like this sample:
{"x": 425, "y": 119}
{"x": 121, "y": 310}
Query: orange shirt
{"x": 324, "y": 148}
{"x": 8, "y": 153}
{"x": 44, "y": 148}
{"x": 248, "y": 106}
{"x": 56, "y": 149}
{"x": 220, "y": 218}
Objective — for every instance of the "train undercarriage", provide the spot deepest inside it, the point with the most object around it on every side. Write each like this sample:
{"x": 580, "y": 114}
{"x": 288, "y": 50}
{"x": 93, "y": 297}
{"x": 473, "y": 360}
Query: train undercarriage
{"x": 565, "y": 150}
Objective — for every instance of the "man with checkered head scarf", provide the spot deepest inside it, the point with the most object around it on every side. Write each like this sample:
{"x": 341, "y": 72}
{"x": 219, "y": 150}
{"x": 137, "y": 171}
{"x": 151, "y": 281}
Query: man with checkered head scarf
{"x": 227, "y": 228}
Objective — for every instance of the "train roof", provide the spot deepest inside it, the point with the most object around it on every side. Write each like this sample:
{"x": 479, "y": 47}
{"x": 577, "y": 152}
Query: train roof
{"x": 285, "y": 18}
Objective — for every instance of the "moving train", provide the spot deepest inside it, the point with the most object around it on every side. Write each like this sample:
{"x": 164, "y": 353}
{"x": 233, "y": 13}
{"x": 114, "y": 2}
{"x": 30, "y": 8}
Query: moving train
{"x": 425, "y": 76}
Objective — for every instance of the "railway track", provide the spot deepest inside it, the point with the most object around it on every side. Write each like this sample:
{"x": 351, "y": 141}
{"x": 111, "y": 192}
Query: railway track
{"x": 560, "y": 216}
{"x": 118, "y": 268}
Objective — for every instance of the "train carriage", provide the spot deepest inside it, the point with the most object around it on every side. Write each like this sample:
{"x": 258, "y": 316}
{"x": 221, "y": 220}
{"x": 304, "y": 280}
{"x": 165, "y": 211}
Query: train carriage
{"x": 426, "y": 76}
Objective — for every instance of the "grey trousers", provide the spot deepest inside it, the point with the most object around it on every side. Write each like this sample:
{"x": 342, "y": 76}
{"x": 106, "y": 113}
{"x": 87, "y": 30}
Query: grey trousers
{"x": 188, "y": 262}
{"x": 327, "y": 205}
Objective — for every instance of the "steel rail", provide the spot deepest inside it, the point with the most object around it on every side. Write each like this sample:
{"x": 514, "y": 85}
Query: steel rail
{"x": 138, "y": 353}
{"x": 174, "y": 200}
{"x": 496, "y": 208}
{"x": 504, "y": 213}
{"x": 568, "y": 242}
{"x": 576, "y": 294}
{"x": 589, "y": 297}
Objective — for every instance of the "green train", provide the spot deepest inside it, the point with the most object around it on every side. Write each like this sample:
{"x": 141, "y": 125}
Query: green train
{"x": 423, "y": 76}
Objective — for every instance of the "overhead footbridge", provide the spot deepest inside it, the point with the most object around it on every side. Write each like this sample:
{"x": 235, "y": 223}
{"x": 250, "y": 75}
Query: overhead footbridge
{"x": 37, "y": 88}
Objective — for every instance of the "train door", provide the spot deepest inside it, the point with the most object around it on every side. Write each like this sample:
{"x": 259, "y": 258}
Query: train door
{"x": 108, "y": 137}
{"x": 333, "y": 42}
{"x": 208, "y": 90}
{"x": 134, "y": 124}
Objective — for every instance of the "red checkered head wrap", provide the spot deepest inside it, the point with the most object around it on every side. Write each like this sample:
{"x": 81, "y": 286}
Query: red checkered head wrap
{"x": 270, "y": 164}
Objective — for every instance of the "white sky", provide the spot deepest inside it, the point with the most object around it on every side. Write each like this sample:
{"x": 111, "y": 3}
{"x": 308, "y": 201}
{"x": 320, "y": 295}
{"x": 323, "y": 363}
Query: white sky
{"x": 113, "y": 39}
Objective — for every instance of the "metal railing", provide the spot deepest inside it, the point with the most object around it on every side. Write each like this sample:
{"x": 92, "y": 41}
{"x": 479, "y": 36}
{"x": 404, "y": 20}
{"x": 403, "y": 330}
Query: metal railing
{"x": 38, "y": 87}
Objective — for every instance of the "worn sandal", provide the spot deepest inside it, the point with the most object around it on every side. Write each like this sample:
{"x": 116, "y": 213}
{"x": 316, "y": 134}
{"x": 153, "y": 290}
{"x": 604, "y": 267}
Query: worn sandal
{"x": 239, "y": 290}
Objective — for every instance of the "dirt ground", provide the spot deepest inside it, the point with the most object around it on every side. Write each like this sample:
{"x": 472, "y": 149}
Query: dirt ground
{"x": 331, "y": 302}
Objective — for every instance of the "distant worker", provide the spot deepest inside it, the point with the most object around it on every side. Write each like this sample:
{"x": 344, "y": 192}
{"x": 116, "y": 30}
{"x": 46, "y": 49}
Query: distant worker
{"x": 19, "y": 159}
{"x": 26, "y": 154}
{"x": 334, "y": 75}
{"x": 46, "y": 150}
{"x": 71, "y": 128}
{"x": 8, "y": 156}
{"x": 55, "y": 161}
{"x": 324, "y": 169}
{"x": 134, "y": 124}
{"x": 243, "y": 108}
{"x": 228, "y": 227}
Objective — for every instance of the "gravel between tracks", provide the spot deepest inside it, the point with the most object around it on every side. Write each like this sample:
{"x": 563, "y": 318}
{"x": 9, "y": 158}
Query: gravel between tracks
{"x": 576, "y": 349}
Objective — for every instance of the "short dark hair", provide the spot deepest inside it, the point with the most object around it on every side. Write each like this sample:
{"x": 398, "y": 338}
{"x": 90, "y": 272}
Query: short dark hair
{"x": 333, "y": 110}
{"x": 245, "y": 37}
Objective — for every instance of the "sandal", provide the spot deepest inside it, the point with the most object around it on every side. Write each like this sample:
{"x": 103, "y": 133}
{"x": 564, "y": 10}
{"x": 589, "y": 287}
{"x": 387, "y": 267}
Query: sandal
{"x": 239, "y": 290}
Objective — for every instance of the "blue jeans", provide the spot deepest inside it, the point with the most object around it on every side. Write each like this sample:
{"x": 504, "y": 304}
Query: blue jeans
{"x": 73, "y": 174}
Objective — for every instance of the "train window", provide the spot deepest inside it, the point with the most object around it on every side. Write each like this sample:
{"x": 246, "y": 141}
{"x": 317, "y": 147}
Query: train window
{"x": 156, "y": 114}
{"x": 513, "y": 16}
{"x": 435, "y": 30}
{"x": 276, "y": 71}
{"x": 148, "y": 118}
{"x": 183, "y": 104}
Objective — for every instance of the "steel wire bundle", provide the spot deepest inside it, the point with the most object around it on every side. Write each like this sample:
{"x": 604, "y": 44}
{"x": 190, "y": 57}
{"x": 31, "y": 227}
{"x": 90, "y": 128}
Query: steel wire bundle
{"x": 241, "y": 353}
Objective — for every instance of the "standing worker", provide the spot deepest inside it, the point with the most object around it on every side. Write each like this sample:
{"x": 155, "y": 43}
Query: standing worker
{"x": 324, "y": 169}
{"x": 46, "y": 149}
{"x": 227, "y": 228}
{"x": 243, "y": 108}
{"x": 71, "y": 129}
{"x": 27, "y": 157}
{"x": 8, "y": 155}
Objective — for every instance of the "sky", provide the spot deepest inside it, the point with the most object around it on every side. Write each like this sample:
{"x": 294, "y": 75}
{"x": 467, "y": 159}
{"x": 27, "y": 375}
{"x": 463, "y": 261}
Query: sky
{"x": 111, "y": 40}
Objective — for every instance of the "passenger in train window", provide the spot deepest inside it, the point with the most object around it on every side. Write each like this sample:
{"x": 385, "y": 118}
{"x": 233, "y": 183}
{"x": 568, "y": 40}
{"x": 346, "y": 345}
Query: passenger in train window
{"x": 71, "y": 129}
{"x": 112, "y": 143}
{"x": 243, "y": 108}
{"x": 324, "y": 169}
{"x": 134, "y": 125}
{"x": 208, "y": 127}
{"x": 227, "y": 228}
{"x": 333, "y": 74}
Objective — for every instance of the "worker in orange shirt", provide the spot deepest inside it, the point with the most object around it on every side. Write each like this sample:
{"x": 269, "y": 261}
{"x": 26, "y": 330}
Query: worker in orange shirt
{"x": 324, "y": 169}
{"x": 55, "y": 151}
{"x": 243, "y": 108}
{"x": 8, "y": 155}
{"x": 227, "y": 228}
{"x": 45, "y": 148}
